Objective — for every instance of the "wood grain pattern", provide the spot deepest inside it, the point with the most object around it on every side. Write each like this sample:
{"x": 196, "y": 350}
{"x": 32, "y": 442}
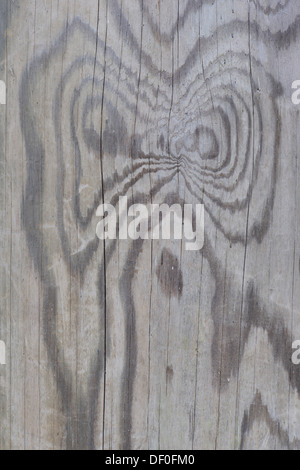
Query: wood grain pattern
{"x": 141, "y": 344}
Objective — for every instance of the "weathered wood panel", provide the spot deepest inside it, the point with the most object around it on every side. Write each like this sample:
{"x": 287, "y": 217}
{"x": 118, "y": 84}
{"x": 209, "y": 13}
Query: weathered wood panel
{"x": 142, "y": 344}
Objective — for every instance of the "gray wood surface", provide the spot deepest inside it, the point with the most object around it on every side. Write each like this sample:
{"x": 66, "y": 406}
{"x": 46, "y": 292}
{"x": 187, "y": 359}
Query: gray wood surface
{"x": 141, "y": 344}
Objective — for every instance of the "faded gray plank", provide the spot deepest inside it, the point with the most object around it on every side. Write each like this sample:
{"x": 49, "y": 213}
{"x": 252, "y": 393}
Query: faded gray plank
{"x": 142, "y": 344}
